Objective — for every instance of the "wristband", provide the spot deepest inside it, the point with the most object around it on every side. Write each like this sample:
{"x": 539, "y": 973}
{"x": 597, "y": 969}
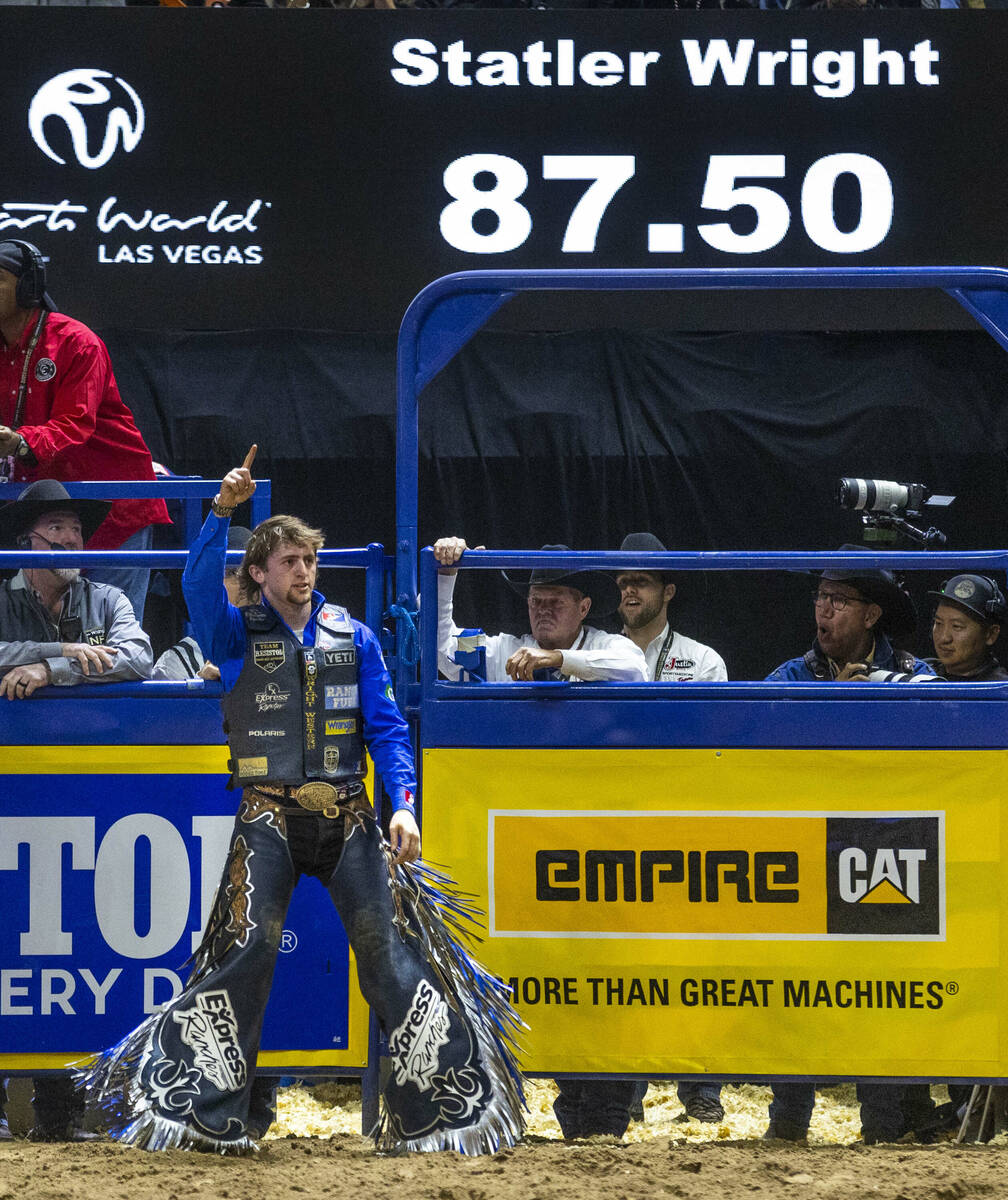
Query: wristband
{"x": 221, "y": 510}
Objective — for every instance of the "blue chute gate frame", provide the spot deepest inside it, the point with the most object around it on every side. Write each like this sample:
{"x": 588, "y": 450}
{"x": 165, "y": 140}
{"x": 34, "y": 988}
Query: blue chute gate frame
{"x": 439, "y": 322}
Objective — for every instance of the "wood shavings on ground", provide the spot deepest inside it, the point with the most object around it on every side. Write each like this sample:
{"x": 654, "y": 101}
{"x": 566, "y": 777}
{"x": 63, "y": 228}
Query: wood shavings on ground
{"x": 330, "y": 1109}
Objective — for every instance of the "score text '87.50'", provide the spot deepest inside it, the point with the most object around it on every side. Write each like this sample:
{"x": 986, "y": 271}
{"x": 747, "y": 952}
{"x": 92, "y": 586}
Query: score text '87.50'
{"x": 503, "y": 182}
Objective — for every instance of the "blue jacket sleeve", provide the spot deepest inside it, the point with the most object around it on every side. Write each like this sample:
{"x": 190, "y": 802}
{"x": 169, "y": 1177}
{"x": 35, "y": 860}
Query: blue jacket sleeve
{"x": 217, "y": 624}
{"x": 385, "y": 730}
{"x": 794, "y": 670}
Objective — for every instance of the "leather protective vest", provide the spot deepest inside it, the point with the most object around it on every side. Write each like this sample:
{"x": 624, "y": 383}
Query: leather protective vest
{"x": 294, "y": 714}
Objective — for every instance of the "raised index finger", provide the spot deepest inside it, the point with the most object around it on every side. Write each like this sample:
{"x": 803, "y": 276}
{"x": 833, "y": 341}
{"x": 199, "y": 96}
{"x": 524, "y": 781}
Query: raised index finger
{"x": 250, "y": 457}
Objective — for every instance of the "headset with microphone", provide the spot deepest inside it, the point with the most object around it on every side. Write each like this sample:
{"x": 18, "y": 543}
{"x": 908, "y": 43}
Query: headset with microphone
{"x": 24, "y": 542}
{"x": 31, "y": 284}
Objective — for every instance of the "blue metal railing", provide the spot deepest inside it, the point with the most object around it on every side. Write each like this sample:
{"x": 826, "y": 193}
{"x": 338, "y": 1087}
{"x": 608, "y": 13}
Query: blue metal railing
{"x": 452, "y": 309}
{"x": 433, "y": 689}
{"x": 191, "y": 491}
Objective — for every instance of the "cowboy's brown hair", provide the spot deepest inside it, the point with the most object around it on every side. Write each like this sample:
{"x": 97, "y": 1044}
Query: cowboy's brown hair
{"x": 265, "y": 538}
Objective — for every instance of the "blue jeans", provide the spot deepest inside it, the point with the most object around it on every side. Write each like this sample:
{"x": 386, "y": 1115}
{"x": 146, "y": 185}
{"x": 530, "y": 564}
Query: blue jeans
{"x": 888, "y": 1110}
{"x": 131, "y": 580}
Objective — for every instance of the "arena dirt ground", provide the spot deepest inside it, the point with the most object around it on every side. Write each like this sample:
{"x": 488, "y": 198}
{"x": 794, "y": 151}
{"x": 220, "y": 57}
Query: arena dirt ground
{"x": 666, "y": 1157}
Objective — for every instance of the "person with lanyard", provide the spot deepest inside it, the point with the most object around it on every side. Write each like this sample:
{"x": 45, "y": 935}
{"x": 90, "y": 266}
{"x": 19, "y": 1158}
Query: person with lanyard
{"x": 61, "y": 415}
{"x": 644, "y": 599}
{"x": 307, "y": 695}
{"x": 645, "y": 596}
{"x": 969, "y": 613}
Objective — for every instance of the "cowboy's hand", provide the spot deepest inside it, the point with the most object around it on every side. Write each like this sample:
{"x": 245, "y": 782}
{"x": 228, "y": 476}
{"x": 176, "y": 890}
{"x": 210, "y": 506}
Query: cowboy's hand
{"x": 404, "y": 837}
{"x": 238, "y": 485}
{"x": 20, "y": 682}
{"x": 9, "y": 441}
{"x": 523, "y": 662}
{"x": 448, "y": 550}
{"x": 98, "y": 657}
{"x": 208, "y": 671}
{"x": 854, "y": 672}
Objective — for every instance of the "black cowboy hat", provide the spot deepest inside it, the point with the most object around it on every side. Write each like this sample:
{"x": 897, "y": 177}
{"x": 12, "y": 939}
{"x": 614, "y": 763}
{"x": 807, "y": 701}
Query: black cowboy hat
{"x": 899, "y": 616}
{"x": 643, "y": 543}
{"x": 48, "y": 495}
{"x": 597, "y": 585}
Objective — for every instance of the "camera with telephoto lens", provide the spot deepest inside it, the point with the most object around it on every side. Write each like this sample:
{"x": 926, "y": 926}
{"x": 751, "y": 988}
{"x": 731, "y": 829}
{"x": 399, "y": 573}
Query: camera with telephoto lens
{"x": 878, "y": 676}
{"x": 884, "y": 506}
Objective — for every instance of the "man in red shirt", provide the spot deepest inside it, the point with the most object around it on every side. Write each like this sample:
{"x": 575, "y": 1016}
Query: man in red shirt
{"x": 61, "y": 415}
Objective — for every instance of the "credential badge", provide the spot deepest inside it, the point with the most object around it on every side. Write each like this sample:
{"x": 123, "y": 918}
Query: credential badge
{"x": 45, "y": 369}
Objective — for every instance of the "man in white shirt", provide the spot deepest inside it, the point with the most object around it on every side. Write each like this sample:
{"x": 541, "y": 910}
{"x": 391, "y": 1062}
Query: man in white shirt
{"x": 644, "y": 600}
{"x": 560, "y": 645}
{"x": 671, "y": 658}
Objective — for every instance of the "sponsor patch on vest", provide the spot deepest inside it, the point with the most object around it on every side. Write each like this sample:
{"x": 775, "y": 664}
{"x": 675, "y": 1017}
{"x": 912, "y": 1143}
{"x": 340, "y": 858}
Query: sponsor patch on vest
{"x": 267, "y": 733}
{"x": 210, "y": 1030}
{"x": 414, "y": 1045}
{"x": 94, "y": 637}
{"x": 271, "y": 698}
{"x": 342, "y": 696}
{"x": 252, "y": 768}
{"x": 330, "y": 759}
{"x": 339, "y": 658}
{"x": 334, "y": 728}
{"x": 268, "y": 656}
{"x": 45, "y": 369}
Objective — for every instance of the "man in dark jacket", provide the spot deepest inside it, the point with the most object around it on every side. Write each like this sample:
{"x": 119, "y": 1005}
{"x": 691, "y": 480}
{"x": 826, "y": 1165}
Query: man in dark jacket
{"x": 56, "y": 627}
{"x": 967, "y": 622}
{"x": 859, "y": 614}
{"x": 59, "y": 629}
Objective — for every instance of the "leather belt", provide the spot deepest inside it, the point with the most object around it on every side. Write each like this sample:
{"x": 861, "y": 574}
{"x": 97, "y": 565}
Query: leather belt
{"x": 316, "y": 796}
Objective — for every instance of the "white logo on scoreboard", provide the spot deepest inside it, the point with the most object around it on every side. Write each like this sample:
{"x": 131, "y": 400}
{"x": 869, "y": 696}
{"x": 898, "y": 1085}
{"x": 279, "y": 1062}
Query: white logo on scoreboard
{"x": 68, "y": 97}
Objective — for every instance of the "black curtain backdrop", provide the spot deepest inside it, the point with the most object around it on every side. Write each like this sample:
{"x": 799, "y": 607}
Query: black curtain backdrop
{"x": 711, "y": 441}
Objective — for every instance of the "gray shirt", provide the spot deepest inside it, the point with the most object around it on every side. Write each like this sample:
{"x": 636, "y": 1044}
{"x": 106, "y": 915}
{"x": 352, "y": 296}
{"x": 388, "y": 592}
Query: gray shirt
{"x": 92, "y": 612}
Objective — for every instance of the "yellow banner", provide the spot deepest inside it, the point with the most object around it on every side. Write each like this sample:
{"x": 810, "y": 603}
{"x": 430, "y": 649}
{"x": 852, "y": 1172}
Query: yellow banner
{"x": 805, "y": 912}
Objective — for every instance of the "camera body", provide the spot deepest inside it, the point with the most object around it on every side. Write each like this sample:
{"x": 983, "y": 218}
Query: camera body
{"x": 884, "y": 506}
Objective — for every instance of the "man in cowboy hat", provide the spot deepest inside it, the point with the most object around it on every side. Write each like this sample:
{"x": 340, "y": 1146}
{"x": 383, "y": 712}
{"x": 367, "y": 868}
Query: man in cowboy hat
{"x": 61, "y": 629}
{"x": 61, "y": 415}
{"x": 644, "y": 601}
{"x": 967, "y": 622}
{"x": 559, "y": 645}
{"x": 58, "y": 627}
{"x": 859, "y": 613}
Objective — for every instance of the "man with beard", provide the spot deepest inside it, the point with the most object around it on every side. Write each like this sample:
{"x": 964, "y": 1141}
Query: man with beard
{"x": 644, "y": 601}
{"x": 671, "y": 658}
{"x": 59, "y": 628}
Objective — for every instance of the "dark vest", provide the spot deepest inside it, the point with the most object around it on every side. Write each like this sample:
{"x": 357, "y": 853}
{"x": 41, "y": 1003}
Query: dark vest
{"x": 294, "y": 713}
